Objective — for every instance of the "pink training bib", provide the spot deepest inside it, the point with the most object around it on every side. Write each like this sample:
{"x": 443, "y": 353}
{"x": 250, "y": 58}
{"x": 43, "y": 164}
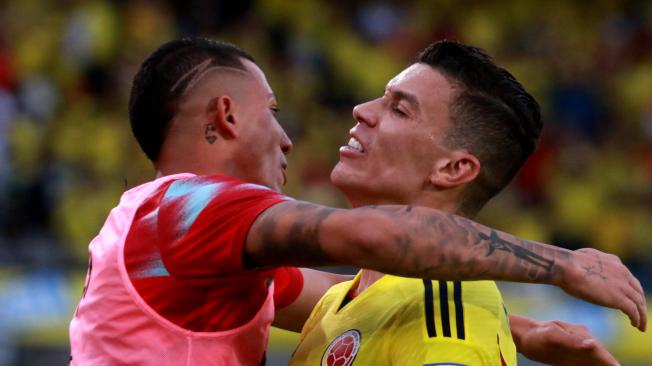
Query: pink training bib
{"x": 114, "y": 326}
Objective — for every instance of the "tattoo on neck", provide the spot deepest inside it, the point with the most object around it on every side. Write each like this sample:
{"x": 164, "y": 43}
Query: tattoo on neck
{"x": 210, "y": 133}
{"x": 496, "y": 243}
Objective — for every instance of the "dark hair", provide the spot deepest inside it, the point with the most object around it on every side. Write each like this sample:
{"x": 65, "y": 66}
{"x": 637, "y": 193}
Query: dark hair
{"x": 493, "y": 117}
{"x": 157, "y": 86}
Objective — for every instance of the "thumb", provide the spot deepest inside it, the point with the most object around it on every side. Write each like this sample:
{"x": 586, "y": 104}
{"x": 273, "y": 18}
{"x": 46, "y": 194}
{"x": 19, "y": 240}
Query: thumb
{"x": 588, "y": 343}
{"x": 573, "y": 340}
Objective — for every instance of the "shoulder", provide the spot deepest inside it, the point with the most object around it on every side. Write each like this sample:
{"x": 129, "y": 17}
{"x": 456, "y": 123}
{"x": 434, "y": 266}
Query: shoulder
{"x": 201, "y": 190}
{"x": 404, "y": 292}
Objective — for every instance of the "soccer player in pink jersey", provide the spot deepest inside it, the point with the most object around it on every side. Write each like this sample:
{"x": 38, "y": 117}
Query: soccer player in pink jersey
{"x": 189, "y": 269}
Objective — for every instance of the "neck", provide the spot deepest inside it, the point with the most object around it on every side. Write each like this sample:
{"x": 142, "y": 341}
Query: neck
{"x": 367, "y": 278}
{"x": 441, "y": 203}
{"x": 182, "y": 156}
{"x": 169, "y": 168}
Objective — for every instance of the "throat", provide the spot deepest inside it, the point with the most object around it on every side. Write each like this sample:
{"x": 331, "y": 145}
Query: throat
{"x": 367, "y": 278}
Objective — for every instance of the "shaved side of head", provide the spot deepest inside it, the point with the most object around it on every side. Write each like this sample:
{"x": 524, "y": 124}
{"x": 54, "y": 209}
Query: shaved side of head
{"x": 204, "y": 85}
{"x": 165, "y": 76}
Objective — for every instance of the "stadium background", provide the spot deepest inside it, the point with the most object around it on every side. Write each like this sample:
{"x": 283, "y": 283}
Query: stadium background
{"x": 66, "y": 153}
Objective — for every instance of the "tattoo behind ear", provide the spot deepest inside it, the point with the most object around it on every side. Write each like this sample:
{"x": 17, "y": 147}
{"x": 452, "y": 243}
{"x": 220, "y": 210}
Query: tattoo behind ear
{"x": 210, "y": 133}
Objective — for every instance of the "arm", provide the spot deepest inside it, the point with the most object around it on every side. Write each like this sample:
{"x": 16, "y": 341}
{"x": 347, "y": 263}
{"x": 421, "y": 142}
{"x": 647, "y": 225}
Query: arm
{"x": 558, "y": 343}
{"x": 315, "y": 285}
{"x": 422, "y": 242}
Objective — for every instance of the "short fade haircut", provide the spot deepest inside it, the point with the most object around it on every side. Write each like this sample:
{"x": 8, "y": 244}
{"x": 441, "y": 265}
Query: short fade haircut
{"x": 492, "y": 116}
{"x": 157, "y": 86}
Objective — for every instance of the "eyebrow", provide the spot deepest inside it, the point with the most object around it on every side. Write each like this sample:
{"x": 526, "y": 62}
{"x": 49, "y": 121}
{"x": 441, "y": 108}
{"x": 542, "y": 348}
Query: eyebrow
{"x": 410, "y": 98}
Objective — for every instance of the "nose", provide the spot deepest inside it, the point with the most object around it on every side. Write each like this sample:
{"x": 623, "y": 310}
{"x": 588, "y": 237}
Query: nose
{"x": 363, "y": 113}
{"x": 286, "y": 144}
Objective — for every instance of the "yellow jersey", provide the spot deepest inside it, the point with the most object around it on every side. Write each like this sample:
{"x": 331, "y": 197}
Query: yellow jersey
{"x": 404, "y": 321}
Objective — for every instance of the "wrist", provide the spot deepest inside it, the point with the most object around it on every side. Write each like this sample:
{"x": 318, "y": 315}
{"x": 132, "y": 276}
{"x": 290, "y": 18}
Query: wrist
{"x": 561, "y": 270}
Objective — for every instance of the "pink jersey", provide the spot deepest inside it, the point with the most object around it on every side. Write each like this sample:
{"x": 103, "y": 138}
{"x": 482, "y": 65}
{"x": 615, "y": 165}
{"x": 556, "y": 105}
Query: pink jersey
{"x": 115, "y": 325}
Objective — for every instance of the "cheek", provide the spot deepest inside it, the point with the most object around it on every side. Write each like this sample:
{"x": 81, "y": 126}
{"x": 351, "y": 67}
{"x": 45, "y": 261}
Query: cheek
{"x": 267, "y": 146}
{"x": 393, "y": 150}
{"x": 406, "y": 157}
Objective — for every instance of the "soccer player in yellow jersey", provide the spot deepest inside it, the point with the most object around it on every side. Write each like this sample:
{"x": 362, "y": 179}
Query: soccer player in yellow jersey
{"x": 450, "y": 132}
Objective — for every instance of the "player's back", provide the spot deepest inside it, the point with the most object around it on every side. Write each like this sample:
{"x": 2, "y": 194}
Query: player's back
{"x": 400, "y": 321}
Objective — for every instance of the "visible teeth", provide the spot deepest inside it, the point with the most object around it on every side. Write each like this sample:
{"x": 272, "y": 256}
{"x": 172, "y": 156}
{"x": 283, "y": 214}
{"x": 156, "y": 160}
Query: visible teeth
{"x": 355, "y": 144}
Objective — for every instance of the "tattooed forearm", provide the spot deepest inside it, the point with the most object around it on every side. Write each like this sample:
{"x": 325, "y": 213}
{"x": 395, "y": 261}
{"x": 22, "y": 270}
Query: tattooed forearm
{"x": 496, "y": 243}
{"x": 402, "y": 240}
{"x": 453, "y": 247}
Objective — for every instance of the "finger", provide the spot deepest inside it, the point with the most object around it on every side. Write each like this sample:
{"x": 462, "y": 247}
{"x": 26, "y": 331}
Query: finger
{"x": 642, "y": 310}
{"x": 566, "y": 336}
{"x": 642, "y": 303}
{"x": 629, "y": 307}
{"x": 578, "y": 336}
{"x": 601, "y": 356}
{"x": 639, "y": 300}
{"x": 589, "y": 343}
{"x": 643, "y": 327}
{"x": 637, "y": 284}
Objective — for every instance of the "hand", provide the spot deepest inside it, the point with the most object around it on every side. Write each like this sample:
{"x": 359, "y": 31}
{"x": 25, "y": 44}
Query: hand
{"x": 603, "y": 279}
{"x": 558, "y": 343}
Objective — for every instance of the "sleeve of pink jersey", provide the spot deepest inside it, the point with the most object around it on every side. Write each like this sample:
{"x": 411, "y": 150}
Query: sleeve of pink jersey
{"x": 288, "y": 283}
{"x": 203, "y": 225}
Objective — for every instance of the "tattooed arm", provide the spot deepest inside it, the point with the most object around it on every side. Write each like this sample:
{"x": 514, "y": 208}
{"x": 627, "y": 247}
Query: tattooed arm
{"x": 422, "y": 242}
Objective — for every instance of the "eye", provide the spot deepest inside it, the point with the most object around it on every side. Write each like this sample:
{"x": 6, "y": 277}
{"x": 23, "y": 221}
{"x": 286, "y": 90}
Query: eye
{"x": 396, "y": 110}
{"x": 274, "y": 110}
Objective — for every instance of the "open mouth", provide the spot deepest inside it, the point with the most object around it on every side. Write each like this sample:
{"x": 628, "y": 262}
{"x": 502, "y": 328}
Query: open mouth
{"x": 355, "y": 144}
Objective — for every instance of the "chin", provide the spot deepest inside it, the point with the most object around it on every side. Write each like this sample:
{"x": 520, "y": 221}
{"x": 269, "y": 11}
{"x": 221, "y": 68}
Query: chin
{"x": 337, "y": 174}
{"x": 343, "y": 180}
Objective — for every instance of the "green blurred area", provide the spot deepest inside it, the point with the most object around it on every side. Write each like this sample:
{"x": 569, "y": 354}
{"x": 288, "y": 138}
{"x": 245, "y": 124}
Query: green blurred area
{"x": 66, "y": 152}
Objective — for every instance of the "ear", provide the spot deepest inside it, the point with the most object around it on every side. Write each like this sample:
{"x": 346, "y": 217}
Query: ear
{"x": 221, "y": 114}
{"x": 456, "y": 169}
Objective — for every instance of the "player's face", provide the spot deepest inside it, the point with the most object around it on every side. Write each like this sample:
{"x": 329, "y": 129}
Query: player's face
{"x": 264, "y": 144}
{"x": 397, "y": 139}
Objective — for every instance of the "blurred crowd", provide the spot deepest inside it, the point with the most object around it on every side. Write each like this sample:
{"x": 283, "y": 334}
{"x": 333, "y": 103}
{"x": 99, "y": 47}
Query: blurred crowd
{"x": 66, "y": 153}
